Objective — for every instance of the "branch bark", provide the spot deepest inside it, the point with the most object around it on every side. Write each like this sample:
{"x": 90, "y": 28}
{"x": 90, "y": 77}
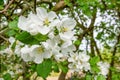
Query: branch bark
{"x": 7, "y": 6}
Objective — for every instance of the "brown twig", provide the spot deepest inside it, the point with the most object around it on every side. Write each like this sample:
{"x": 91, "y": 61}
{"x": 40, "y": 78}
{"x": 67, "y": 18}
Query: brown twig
{"x": 15, "y": 7}
{"x": 3, "y": 38}
{"x": 35, "y": 6}
{"x": 7, "y": 6}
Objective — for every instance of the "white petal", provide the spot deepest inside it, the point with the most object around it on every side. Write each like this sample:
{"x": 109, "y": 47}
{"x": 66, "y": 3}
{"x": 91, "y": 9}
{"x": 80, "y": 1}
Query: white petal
{"x": 47, "y": 54}
{"x": 54, "y": 23}
{"x": 69, "y": 23}
{"x": 22, "y": 23}
{"x": 35, "y": 19}
{"x": 25, "y": 49}
{"x": 38, "y": 59}
{"x": 66, "y": 35}
{"x": 51, "y": 15}
{"x": 44, "y": 30}
{"x": 41, "y": 13}
{"x": 33, "y": 50}
{"x": 66, "y": 44}
{"x": 26, "y": 57}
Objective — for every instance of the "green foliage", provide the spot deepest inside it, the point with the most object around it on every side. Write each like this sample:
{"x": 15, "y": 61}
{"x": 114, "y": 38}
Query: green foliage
{"x": 33, "y": 67}
{"x": 7, "y": 76}
{"x": 44, "y": 68}
{"x": 63, "y": 66}
{"x": 77, "y": 42}
{"x": 26, "y": 38}
{"x": 13, "y": 28}
{"x": 101, "y": 77}
{"x": 88, "y": 77}
{"x": 67, "y": 2}
{"x": 116, "y": 76}
{"x": 99, "y": 35}
{"x": 85, "y": 5}
{"x": 13, "y": 24}
{"x": 11, "y": 32}
{"x": 3, "y": 67}
{"x": 94, "y": 60}
{"x": 40, "y": 37}
{"x": 93, "y": 63}
{"x": 1, "y": 4}
{"x": 55, "y": 67}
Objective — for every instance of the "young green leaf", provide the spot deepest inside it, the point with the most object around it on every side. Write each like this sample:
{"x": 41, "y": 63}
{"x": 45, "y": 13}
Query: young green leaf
{"x": 44, "y": 68}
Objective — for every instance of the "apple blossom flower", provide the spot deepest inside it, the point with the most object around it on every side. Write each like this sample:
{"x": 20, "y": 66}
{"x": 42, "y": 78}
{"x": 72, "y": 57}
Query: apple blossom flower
{"x": 38, "y": 52}
{"x": 25, "y": 53}
{"x": 79, "y": 62}
{"x": 42, "y": 22}
{"x": 28, "y": 24}
{"x": 104, "y": 68}
{"x": 65, "y": 28}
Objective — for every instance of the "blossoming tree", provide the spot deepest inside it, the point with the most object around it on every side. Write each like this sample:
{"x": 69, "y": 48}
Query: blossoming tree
{"x": 44, "y": 36}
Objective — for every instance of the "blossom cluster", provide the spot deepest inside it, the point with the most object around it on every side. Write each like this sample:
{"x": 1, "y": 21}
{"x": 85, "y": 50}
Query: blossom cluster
{"x": 79, "y": 62}
{"x": 58, "y": 45}
{"x": 60, "y": 33}
{"x": 104, "y": 68}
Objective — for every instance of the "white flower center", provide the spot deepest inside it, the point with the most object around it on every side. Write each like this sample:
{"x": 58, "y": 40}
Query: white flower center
{"x": 64, "y": 29}
{"x": 46, "y": 22}
{"x": 40, "y": 50}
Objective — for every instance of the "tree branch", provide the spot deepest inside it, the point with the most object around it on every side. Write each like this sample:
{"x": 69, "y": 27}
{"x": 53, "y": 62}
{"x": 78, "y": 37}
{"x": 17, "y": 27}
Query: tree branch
{"x": 7, "y": 6}
{"x": 113, "y": 57}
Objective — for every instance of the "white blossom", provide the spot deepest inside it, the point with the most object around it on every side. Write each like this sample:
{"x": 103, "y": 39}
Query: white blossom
{"x": 42, "y": 22}
{"x": 25, "y": 53}
{"x": 104, "y": 68}
{"x": 79, "y": 62}
{"x": 39, "y": 53}
{"x": 65, "y": 28}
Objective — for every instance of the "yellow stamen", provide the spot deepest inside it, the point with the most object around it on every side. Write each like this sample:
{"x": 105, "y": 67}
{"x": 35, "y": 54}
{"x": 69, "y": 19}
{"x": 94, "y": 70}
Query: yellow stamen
{"x": 64, "y": 29}
{"x": 46, "y": 22}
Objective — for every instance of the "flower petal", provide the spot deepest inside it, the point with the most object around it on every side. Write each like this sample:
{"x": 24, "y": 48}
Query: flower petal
{"x": 38, "y": 59}
{"x": 22, "y": 23}
{"x": 69, "y": 23}
{"x": 41, "y": 13}
{"x": 51, "y": 15}
{"x": 66, "y": 35}
{"x": 44, "y": 30}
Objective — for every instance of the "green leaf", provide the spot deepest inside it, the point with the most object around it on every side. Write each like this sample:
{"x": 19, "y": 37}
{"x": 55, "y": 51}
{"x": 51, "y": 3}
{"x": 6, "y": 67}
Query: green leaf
{"x": 44, "y": 68}
{"x": 93, "y": 63}
{"x": 26, "y": 38}
{"x": 33, "y": 67}
{"x": 95, "y": 68}
{"x": 63, "y": 66}
{"x": 11, "y": 33}
{"x": 67, "y": 2}
{"x": 7, "y": 76}
{"x": 101, "y": 77}
{"x": 41, "y": 37}
{"x": 99, "y": 35}
{"x": 13, "y": 25}
{"x": 88, "y": 77}
{"x": 77, "y": 42}
{"x": 1, "y": 4}
{"x": 55, "y": 67}
{"x": 116, "y": 76}
{"x": 3, "y": 67}
{"x": 94, "y": 60}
